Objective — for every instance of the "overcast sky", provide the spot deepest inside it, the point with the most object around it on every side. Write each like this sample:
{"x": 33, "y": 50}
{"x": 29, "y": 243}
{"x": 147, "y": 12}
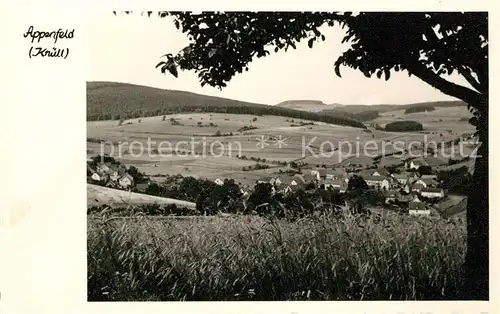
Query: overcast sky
{"x": 126, "y": 48}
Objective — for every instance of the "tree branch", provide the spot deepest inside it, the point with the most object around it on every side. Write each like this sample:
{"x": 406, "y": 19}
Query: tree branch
{"x": 469, "y": 96}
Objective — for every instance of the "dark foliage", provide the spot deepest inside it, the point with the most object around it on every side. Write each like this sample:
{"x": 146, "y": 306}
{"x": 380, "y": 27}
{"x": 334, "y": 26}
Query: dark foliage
{"x": 403, "y": 126}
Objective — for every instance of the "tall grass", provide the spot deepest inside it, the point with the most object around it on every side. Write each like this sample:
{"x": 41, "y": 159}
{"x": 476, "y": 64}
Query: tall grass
{"x": 248, "y": 258}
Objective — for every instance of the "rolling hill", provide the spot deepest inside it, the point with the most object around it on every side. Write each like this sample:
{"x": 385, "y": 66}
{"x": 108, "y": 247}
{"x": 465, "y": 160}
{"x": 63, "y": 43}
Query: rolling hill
{"x": 114, "y": 101}
{"x": 305, "y": 105}
{"x": 362, "y": 112}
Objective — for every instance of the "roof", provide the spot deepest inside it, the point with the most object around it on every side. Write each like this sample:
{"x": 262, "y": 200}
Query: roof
{"x": 432, "y": 190}
{"x": 321, "y": 172}
{"x": 128, "y": 176}
{"x": 299, "y": 178}
{"x": 429, "y": 181}
{"x": 404, "y": 198}
{"x": 419, "y": 162}
{"x": 309, "y": 177}
{"x": 373, "y": 178}
{"x": 382, "y": 171}
{"x": 428, "y": 176}
{"x": 334, "y": 182}
{"x": 417, "y": 186}
{"x": 336, "y": 171}
{"x": 285, "y": 180}
{"x": 400, "y": 176}
{"x": 416, "y": 205}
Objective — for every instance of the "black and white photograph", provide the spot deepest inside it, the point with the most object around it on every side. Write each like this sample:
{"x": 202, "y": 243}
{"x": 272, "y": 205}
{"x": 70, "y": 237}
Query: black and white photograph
{"x": 287, "y": 156}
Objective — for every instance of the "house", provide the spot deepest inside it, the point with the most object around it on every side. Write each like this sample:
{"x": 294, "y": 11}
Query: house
{"x": 417, "y": 163}
{"x": 308, "y": 178}
{"x": 245, "y": 191}
{"x": 266, "y": 180}
{"x": 103, "y": 168}
{"x": 404, "y": 198}
{"x": 417, "y": 187}
{"x": 287, "y": 184}
{"x": 427, "y": 183}
{"x": 115, "y": 172}
{"x": 291, "y": 188}
{"x": 219, "y": 181}
{"x": 300, "y": 179}
{"x": 429, "y": 176}
{"x": 112, "y": 184}
{"x": 382, "y": 172}
{"x": 418, "y": 208}
{"x": 336, "y": 173}
{"x": 333, "y": 184}
{"x": 319, "y": 173}
{"x": 401, "y": 178}
{"x": 96, "y": 177}
{"x": 432, "y": 193}
{"x": 126, "y": 181}
{"x": 377, "y": 182}
{"x": 390, "y": 196}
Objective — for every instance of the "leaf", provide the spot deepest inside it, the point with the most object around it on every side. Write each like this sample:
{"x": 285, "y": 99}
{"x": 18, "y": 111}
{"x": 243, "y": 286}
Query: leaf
{"x": 310, "y": 42}
{"x": 212, "y": 52}
{"x": 276, "y": 49}
{"x": 323, "y": 37}
{"x": 337, "y": 70}
{"x": 177, "y": 24}
{"x": 161, "y": 63}
{"x": 387, "y": 73}
{"x": 379, "y": 74}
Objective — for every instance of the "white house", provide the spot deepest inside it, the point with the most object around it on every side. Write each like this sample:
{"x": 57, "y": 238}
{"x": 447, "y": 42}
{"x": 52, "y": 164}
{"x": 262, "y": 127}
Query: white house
{"x": 319, "y": 173}
{"x": 432, "y": 193}
{"x": 382, "y": 172}
{"x": 427, "y": 183}
{"x": 126, "y": 181}
{"x": 401, "y": 178}
{"x": 114, "y": 175}
{"x": 334, "y": 184}
{"x": 96, "y": 177}
{"x": 418, "y": 209}
{"x": 429, "y": 176}
{"x": 377, "y": 182}
{"x": 219, "y": 181}
{"x": 103, "y": 168}
{"x": 417, "y": 163}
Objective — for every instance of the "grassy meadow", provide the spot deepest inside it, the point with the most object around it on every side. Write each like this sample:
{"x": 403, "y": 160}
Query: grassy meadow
{"x": 386, "y": 257}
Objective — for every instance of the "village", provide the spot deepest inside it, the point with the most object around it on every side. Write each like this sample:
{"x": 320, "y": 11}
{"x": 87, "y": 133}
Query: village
{"x": 412, "y": 186}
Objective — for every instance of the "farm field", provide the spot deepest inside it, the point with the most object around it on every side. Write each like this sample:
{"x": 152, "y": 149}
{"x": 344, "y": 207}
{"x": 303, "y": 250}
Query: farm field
{"x": 442, "y": 119}
{"x": 201, "y": 154}
{"x": 249, "y": 258}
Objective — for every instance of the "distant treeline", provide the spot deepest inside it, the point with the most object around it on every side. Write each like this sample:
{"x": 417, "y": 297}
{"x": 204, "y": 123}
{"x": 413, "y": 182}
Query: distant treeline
{"x": 422, "y": 108}
{"x": 115, "y": 101}
{"x": 359, "y": 116}
{"x": 403, "y": 126}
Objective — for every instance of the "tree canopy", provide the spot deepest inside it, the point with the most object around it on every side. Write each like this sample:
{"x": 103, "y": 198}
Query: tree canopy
{"x": 426, "y": 45}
